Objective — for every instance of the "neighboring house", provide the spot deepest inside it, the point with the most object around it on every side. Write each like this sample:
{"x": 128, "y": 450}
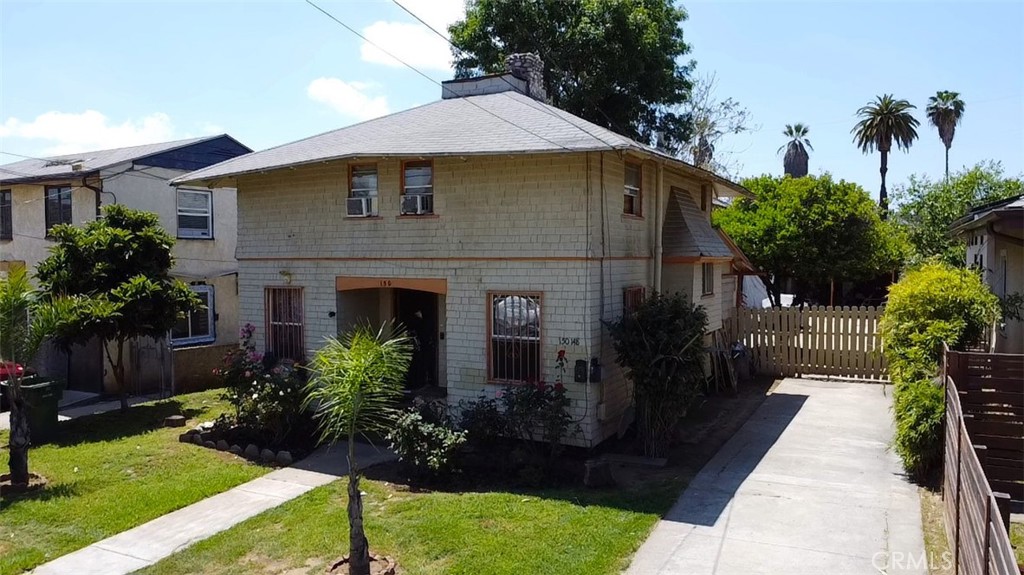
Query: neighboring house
{"x": 994, "y": 234}
{"x": 36, "y": 194}
{"x": 498, "y": 228}
{"x": 741, "y": 284}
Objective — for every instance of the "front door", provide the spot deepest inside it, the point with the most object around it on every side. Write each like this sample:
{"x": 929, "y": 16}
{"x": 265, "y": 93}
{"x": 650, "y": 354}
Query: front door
{"x": 417, "y": 311}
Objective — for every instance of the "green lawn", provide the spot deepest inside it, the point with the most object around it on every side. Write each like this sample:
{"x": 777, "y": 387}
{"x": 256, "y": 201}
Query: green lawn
{"x": 551, "y": 532}
{"x": 1017, "y": 539}
{"x": 109, "y": 473}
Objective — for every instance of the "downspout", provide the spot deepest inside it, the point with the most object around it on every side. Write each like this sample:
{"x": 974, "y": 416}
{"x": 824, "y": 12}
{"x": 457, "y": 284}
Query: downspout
{"x": 658, "y": 217}
{"x": 98, "y": 192}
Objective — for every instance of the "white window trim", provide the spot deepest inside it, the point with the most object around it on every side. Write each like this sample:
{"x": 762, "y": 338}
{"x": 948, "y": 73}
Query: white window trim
{"x": 189, "y": 233}
{"x": 705, "y": 277}
{"x": 210, "y": 315}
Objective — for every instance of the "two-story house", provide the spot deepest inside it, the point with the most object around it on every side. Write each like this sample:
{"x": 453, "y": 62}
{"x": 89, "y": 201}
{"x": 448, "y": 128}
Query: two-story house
{"x": 499, "y": 229}
{"x": 37, "y": 194}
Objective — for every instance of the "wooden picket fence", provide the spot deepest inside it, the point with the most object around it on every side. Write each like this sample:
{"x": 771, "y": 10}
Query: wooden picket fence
{"x": 982, "y": 468}
{"x": 814, "y": 340}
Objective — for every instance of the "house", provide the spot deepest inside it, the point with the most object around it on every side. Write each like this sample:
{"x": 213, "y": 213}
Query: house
{"x": 994, "y": 234}
{"x": 36, "y": 194}
{"x": 499, "y": 229}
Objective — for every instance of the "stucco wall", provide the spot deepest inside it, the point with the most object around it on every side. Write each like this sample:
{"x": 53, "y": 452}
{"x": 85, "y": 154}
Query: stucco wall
{"x": 28, "y": 218}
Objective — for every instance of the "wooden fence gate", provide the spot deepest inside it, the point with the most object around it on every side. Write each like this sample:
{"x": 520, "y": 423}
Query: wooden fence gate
{"x": 814, "y": 340}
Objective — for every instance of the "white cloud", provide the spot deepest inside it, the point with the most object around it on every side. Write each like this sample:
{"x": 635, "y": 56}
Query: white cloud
{"x": 67, "y": 133}
{"x": 411, "y": 41}
{"x": 350, "y": 99}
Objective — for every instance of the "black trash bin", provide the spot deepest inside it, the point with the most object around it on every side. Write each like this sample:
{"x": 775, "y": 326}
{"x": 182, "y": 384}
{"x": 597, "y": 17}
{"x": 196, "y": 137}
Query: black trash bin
{"x": 41, "y": 399}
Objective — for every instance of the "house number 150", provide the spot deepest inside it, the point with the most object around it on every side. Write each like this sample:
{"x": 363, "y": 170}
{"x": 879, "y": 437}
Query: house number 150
{"x": 568, "y": 341}
{"x": 385, "y": 283}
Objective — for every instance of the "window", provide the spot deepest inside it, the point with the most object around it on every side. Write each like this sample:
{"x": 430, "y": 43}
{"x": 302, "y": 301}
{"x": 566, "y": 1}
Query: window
{"x": 632, "y": 297}
{"x": 515, "y": 330}
{"x": 6, "y": 229}
{"x": 632, "y": 193}
{"x": 362, "y": 191}
{"x": 704, "y": 194}
{"x": 198, "y": 326}
{"x": 284, "y": 322}
{"x": 707, "y": 278}
{"x": 58, "y": 206}
{"x": 195, "y": 214}
{"x": 417, "y": 188}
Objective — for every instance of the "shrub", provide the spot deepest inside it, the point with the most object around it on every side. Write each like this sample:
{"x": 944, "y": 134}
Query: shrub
{"x": 660, "y": 346}
{"x": 267, "y": 400}
{"x": 538, "y": 412}
{"x": 427, "y": 440}
{"x": 483, "y": 422}
{"x": 930, "y": 305}
{"x": 919, "y": 407}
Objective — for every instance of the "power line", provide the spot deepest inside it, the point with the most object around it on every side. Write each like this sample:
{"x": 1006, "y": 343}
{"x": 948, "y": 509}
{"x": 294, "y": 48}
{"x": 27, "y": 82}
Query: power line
{"x": 414, "y": 69}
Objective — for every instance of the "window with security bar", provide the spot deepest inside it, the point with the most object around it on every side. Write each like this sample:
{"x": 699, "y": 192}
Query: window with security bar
{"x": 417, "y": 188}
{"x": 284, "y": 322}
{"x": 362, "y": 191}
{"x": 632, "y": 298}
{"x": 515, "y": 337}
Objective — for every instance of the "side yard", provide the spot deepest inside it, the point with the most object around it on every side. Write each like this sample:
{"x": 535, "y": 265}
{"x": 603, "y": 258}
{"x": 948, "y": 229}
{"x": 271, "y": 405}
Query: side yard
{"x": 110, "y": 472}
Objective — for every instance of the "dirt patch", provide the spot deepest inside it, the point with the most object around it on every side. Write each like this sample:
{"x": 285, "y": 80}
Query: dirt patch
{"x": 8, "y": 489}
{"x": 936, "y": 544}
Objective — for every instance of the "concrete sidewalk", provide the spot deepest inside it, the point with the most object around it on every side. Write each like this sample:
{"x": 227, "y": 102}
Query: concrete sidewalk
{"x": 148, "y": 543}
{"x": 807, "y": 486}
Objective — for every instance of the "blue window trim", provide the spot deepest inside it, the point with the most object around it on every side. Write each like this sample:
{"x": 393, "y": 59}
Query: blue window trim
{"x": 210, "y": 314}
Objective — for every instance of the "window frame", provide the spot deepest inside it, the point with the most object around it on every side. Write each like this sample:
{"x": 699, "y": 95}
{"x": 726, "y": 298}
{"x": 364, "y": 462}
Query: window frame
{"x": 403, "y": 188}
{"x": 373, "y": 194}
{"x": 491, "y": 295}
{"x": 632, "y": 297}
{"x": 47, "y": 215}
{"x": 178, "y": 214}
{"x": 6, "y": 215}
{"x": 298, "y": 345}
{"x": 638, "y": 189}
{"x": 705, "y": 277}
{"x": 211, "y": 319}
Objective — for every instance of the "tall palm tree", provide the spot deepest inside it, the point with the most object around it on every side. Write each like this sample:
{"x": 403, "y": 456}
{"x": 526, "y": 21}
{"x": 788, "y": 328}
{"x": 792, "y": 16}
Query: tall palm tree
{"x": 356, "y": 382}
{"x": 944, "y": 111}
{"x": 795, "y": 160}
{"x": 883, "y": 122}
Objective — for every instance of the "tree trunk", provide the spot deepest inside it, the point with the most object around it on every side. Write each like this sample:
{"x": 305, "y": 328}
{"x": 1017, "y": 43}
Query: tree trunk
{"x": 947, "y": 164}
{"x": 358, "y": 546}
{"x": 883, "y": 197}
{"x": 20, "y": 436}
{"x": 119, "y": 376}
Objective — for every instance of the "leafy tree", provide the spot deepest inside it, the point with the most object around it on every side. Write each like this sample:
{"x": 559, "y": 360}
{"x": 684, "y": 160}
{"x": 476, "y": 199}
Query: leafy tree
{"x": 712, "y": 119}
{"x": 25, "y": 324}
{"x": 112, "y": 278}
{"x": 612, "y": 62}
{"x": 944, "y": 111}
{"x": 925, "y": 209}
{"x": 811, "y": 229}
{"x": 661, "y": 348}
{"x": 356, "y": 382}
{"x": 883, "y": 122}
{"x": 795, "y": 161}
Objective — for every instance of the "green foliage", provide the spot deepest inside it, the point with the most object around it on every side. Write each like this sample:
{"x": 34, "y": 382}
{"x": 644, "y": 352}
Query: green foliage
{"x": 427, "y": 440}
{"x": 795, "y": 225}
{"x": 884, "y": 121}
{"x": 267, "y": 399}
{"x": 484, "y": 423}
{"x": 795, "y": 161}
{"x": 919, "y": 406}
{"x": 112, "y": 280}
{"x": 25, "y": 321}
{"x": 357, "y": 380}
{"x": 613, "y": 62}
{"x": 660, "y": 346}
{"x": 926, "y": 209}
{"x": 930, "y": 305}
{"x": 538, "y": 412}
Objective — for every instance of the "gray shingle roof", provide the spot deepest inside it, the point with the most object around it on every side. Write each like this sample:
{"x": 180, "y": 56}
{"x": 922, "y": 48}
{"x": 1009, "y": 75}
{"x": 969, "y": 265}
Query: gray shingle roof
{"x": 688, "y": 233}
{"x": 57, "y": 167}
{"x": 502, "y": 123}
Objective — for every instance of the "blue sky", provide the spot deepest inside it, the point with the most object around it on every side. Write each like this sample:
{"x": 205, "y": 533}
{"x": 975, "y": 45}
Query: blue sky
{"x": 76, "y": 76}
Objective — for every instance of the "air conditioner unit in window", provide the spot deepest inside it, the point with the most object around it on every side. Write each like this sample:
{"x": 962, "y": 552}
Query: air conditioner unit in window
{"x": 417, "y": 204}
{"x": 361, "y": 207}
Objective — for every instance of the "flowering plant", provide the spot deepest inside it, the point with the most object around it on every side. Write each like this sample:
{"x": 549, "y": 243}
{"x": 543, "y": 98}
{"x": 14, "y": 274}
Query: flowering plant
{"x": 267, "y": 400}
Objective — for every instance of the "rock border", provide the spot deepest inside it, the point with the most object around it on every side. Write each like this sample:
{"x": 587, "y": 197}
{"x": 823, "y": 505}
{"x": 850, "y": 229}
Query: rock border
{"x": 202, "y": 436}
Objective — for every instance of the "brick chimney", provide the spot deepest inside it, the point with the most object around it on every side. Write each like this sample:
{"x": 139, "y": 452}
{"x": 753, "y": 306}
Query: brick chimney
{"x": 529, "y": 67}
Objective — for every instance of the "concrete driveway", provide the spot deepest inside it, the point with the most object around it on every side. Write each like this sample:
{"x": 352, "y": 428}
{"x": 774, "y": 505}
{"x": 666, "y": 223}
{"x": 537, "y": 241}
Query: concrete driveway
{"x": 807, "y": 486}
